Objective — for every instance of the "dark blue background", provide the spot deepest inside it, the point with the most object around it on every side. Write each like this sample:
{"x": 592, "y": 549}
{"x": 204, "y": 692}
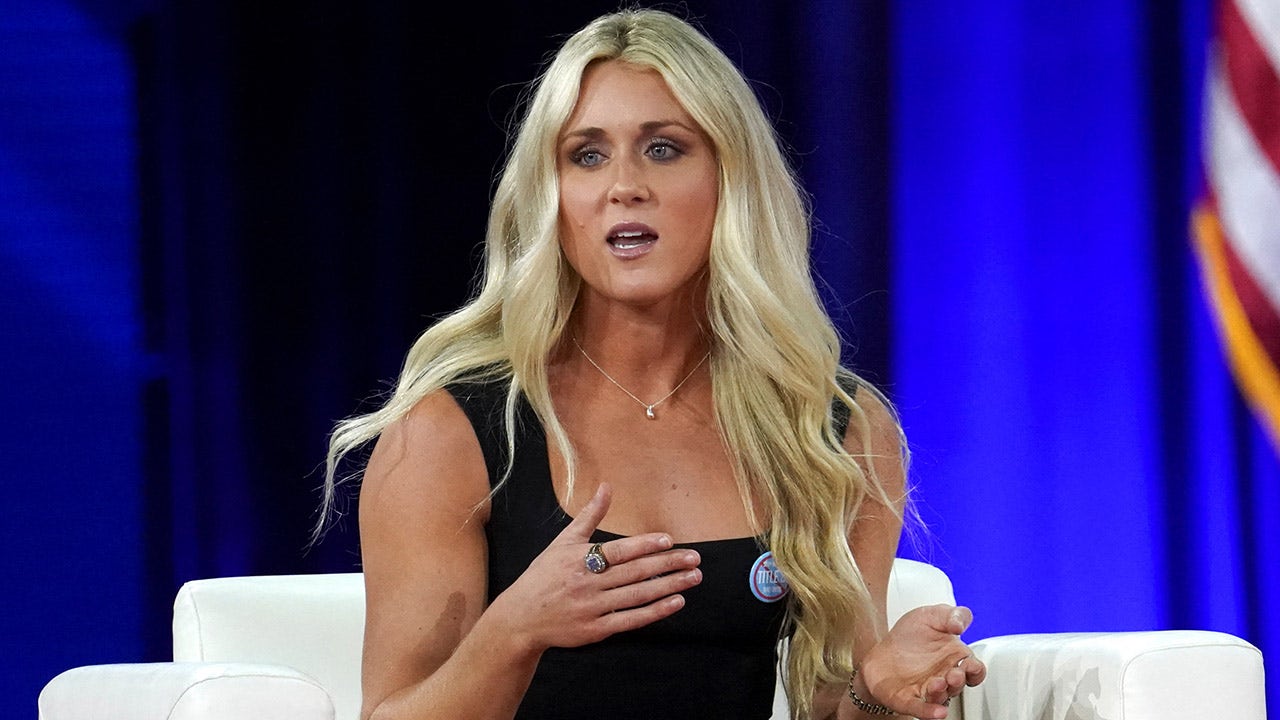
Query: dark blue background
{"x": 222, "y": 224}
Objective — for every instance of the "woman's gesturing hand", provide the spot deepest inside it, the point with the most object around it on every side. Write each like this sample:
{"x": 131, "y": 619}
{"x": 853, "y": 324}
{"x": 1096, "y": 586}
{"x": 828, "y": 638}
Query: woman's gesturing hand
{"x": 922, "y": 663}
{"x": 558, "y": 602}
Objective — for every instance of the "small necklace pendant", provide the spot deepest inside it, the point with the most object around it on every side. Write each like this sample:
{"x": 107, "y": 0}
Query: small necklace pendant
{"x": 648, "y": 412}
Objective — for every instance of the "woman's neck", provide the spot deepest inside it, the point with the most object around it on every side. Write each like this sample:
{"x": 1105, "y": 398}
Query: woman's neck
{"x": 647, "y": 350}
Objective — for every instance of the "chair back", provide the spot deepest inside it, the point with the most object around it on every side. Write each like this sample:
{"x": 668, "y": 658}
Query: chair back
{"x": 312, "y": 623}
{"x": 914, "y": 584}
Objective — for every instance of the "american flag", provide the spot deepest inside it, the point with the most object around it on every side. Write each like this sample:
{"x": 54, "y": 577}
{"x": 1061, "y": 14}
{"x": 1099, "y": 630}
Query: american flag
{"x": 1237, "y": 223}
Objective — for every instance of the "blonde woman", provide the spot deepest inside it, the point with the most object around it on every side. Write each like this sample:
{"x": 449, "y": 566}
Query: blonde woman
{"x": 610, "y": 483}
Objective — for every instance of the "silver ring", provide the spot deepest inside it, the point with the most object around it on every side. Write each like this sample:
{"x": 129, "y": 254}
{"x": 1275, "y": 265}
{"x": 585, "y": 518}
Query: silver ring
{"x": 595, "y": 560}
{"x": 961, "y": 660}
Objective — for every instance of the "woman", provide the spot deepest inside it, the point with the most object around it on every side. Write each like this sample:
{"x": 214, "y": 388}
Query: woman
{"x": 607, "y": 485}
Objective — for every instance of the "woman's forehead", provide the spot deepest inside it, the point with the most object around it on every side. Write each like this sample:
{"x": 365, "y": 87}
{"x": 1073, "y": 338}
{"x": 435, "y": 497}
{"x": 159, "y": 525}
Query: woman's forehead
{"x": 617, "y": 94}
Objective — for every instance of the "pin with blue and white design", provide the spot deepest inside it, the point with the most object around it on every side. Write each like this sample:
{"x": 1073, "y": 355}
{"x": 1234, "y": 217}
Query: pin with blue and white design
{"x": 766, "y": 581}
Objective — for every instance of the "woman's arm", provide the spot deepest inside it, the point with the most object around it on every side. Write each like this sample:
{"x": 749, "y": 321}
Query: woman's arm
{"x": 425, "y": 563}
{"x": 909, "y": 668}
{"x": 432, "y": 648}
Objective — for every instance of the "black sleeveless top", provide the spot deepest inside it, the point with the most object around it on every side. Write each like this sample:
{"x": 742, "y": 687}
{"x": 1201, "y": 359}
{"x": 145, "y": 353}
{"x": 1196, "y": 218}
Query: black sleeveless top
{"x": 714, "y": 658}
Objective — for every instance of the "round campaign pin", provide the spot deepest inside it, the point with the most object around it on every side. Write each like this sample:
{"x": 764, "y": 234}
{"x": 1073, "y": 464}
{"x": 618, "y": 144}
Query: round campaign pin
{"x": 767, "y": 584}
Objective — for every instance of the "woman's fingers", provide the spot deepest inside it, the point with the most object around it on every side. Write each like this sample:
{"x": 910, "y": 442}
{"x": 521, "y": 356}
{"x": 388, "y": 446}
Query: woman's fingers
{"x": 625, "y": 550}
{"x": 643, "y": 582}
{"x": 589, "y": 517}
{"x": 640, "y": 583}
{"x": 975, "y": 671}
{"x": 924, "y": 662}
{"x": 633, "y": 593}
{"x": 616, "y": 552}
{"x": 941, "y": 688}
{"x": 643, "y": 592}
{"x": 639, "y": 558}
{"x": 568, "y": 597}
{"x": 917, "y": 707}
{"x": 949, "y": 619}
{"x": 955, "y": 679}
{"x": 638, "y": 617}
{"x": 968, "y": 670}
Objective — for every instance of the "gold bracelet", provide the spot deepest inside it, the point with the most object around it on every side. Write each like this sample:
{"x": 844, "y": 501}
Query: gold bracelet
{"x": 869, "y": 708}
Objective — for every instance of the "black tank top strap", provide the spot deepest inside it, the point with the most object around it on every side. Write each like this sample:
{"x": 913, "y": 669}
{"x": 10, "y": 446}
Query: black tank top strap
{"x": 484, "y": 403}
{"x": 840, "y": 411}
{"x": 524, "y": 509}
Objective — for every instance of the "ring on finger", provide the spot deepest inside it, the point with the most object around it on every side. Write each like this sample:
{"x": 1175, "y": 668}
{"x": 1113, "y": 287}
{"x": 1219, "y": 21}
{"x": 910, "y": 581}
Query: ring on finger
{"x": 595, "y": 560}
{"x": 960, "y": 662}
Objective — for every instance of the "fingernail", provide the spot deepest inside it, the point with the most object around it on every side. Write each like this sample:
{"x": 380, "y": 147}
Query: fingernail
{"x": 664, "y": 542}
{"x": 694, "y": 575}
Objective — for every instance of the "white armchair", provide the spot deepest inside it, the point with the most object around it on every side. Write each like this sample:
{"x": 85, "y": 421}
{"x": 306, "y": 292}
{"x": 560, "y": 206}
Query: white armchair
{"x": 288, "y": 647}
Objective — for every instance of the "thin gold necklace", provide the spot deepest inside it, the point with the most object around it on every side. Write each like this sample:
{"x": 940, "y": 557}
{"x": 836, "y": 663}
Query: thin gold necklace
{"x": 648, "y": 407}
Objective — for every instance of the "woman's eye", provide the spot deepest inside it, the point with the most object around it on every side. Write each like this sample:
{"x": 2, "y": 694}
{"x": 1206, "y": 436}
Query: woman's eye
{"x": 663, "y": 151}
{"x": 587, "y": 157}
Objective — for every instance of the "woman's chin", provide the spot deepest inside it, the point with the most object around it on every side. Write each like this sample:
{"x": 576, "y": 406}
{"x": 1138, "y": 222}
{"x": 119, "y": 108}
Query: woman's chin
{"x": 643, "y": 296}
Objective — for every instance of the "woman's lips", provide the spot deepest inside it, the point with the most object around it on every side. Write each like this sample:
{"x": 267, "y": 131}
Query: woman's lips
{"x": 631, "y": 240}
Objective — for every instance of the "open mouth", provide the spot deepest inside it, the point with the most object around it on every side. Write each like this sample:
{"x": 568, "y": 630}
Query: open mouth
{"x": 630, "y": 240}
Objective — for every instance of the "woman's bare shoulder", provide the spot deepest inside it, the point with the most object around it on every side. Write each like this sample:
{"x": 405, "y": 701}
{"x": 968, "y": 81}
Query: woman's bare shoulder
{"x": 429, "y": 456}
{"x": 878, "y": 436}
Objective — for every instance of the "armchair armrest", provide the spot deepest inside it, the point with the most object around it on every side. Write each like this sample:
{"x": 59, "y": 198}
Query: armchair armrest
{"x": 1164, "y": 675}
{"x": 184, "y": 691}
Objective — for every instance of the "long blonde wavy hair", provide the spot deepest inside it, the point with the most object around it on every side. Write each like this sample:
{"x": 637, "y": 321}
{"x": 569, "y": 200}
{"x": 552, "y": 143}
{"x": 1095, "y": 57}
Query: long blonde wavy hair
{"x": 775, "y": 354}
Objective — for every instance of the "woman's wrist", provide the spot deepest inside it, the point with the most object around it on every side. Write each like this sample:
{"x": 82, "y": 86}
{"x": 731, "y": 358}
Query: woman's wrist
{"x": 505, "y": 638}
{"x": 860, "y": 696}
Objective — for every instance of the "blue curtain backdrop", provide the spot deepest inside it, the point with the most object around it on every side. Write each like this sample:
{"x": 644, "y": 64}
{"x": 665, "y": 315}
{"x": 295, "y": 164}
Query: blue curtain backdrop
{"x": 222, "y": 224}
{"x": 1081, "y": 451}
{"x": 72, "y": 570}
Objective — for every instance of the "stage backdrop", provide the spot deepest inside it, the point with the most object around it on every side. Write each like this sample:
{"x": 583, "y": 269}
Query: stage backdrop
{"x": 223, "y": 223}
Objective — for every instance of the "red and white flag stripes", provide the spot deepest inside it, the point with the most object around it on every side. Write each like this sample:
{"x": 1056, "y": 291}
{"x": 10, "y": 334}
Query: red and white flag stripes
{"x": 1237, "y": 224}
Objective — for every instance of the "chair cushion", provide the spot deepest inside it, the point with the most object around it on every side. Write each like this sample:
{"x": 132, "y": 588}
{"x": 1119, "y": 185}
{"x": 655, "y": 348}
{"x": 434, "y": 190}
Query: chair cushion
{"x": 184, "y": 691}
{"x": 1153, "y": 675}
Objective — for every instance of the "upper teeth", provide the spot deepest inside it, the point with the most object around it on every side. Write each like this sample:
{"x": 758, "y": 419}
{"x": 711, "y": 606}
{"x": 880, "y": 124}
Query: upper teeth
{"x": 629, "y": 234}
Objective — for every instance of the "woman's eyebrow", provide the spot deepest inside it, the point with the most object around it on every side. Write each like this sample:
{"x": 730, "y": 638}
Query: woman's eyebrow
{"x": 595, "y": 133}
{"x": 653, "y": 125}
{"x": 587, "y": 133}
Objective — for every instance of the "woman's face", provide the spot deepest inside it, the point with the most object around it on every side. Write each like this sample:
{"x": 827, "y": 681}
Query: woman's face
{"x": 638, "y": 188}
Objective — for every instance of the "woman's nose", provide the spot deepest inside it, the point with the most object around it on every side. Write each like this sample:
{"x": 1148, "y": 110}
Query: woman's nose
{"x": 629, "y": 183}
